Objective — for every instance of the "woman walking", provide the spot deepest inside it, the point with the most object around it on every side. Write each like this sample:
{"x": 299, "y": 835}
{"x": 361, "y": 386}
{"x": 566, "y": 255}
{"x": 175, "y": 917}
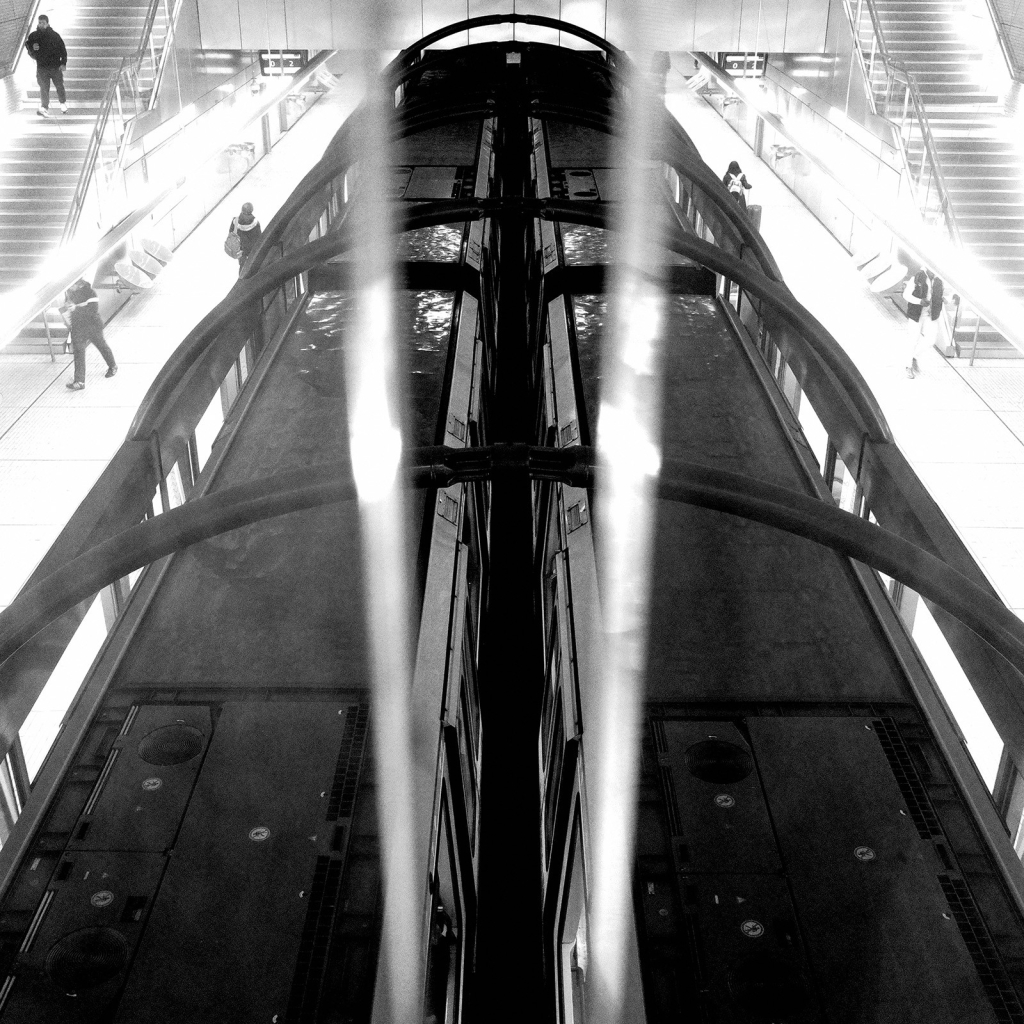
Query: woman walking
{"x": 86, "y": 327}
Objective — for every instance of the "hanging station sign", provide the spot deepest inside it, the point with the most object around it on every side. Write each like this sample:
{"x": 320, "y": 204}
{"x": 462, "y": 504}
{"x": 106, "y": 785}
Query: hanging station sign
{"x": 282, "y": 62}
{"x": 744, "y": 65}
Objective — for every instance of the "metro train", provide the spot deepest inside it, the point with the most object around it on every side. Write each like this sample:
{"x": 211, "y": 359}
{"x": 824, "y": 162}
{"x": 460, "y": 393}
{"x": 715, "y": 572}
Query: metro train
{"x": 203, "y": 842}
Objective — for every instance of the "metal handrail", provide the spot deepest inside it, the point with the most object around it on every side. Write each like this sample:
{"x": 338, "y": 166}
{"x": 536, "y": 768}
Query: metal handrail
{"x": 997, "y": 26}
{"x": 92, "y": 153}
{"x": 131, "y": 66}
{"x": 147, "y": 30}
{"x": 160, "y": 64}
{"x": 896, "y": 71}
{"x": 968, "y": 280}
{"x": 33, "y": 14}
{"x": 41, "y": 298}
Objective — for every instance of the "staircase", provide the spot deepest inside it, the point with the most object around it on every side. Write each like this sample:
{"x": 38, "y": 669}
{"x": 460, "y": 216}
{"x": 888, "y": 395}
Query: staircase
{"x": 41, "y": 160}
{"x": 979, "y": 147}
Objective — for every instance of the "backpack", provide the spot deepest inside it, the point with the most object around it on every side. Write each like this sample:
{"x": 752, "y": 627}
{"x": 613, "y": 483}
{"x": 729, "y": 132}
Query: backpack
{"x": 233, "y": 244}
{"x": 735, "y": 183}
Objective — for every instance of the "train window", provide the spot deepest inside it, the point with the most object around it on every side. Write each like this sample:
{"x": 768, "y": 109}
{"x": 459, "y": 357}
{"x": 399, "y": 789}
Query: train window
{"x": 43, "y": 722}
{"x": 842, "y": 482}
{"x": 554, "y": 775}
{"x": 814, "y": 431}
{"x": 469, "y": 710}
{"x": 207, "y": 429}
{"x": 983, "y": 741}
{"x": 467, "y": 723}
{"x": 552, "y": 688}
{"x": 572, "y": 965}
{"x": 469, "y": 784}
{"x": 244, "y": 364}
{"x": 444, "y": 952}
{"x": 175, "y": 487}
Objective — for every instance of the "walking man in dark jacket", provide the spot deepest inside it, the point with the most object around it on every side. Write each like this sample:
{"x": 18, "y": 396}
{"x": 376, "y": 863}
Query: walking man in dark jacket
{"x": 47, "y": 49}
{"x": 86, "y": 327}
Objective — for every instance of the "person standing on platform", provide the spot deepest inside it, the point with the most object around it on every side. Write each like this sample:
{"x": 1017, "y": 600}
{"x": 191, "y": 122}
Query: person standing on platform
{"x": 736, "y": 182}
{"x": 916, "y": 295}
{"x": 86, "y": 326}
{"x": 47, "y": 49}
{"x": 248, "y": 230}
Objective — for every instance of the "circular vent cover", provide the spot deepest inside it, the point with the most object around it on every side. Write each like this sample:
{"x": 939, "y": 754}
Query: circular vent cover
{"x": 718, "y": 761}
{"x": 171, "y": 744}
{"x": 768, "y": 987}
{"x": 86, "y": 959}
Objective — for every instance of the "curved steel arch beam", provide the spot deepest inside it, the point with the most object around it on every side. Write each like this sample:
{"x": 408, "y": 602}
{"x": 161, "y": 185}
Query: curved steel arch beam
{"x": 776, "y": 294}
{"x": 331, "y": 164}
{"x": 505, "y": 19}
{"x": 687, "y": 161}
{"x": 702, "y": 486}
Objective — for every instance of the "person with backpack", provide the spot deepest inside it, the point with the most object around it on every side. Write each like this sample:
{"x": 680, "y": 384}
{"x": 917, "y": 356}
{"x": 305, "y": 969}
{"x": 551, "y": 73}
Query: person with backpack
{"x": 736, "y": 182}
{"x": 916, "y": 295}
{"x": 86, "y": 326}
{"x": 933, "y": 312}
{"x": 243, "y": 235}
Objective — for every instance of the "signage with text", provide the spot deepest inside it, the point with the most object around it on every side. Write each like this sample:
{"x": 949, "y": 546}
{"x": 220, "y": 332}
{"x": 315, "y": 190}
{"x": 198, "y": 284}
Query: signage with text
{"x": 744, "y": 65}
{"x": 282, "y": 62}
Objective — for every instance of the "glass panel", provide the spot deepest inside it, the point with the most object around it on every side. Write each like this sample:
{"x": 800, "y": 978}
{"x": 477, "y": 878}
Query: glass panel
{"x": 983, "y": 742}
{"x": 44, "y": 720}
{"x": 425, "y": 318}
{"x": 207, "y": 429}
{"x": 817, "y": 436}
{"x": 589, "y": 314}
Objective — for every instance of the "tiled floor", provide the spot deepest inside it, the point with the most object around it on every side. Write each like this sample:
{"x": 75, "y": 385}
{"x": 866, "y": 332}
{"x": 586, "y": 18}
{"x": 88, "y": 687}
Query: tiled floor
{"x": 960, "y": 427}
{"x": 54, "y": 443}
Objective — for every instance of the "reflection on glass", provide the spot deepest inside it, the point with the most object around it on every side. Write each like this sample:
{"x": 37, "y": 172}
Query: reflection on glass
{"x": 422, "y": 324}
{"x": 590, "y": 314}
{"x": 583, "y": 244}
{"x": 441, "y": 243}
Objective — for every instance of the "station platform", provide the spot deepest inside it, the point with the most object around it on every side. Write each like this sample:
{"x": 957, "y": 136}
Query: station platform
{"x": 961, "y": 427}
{"x": 54, "y": 443}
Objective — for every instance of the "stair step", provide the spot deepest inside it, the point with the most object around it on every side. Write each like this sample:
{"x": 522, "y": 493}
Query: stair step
{"x": 29, "y": 163}
{"x": 980, "y": 161}
{"x": 982, "y": 231}
{"x": 21, "y": 250}
{"x": 53, "y": 179}
{"x": 973, "y": 146}
{"x": 998, "y": 251}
